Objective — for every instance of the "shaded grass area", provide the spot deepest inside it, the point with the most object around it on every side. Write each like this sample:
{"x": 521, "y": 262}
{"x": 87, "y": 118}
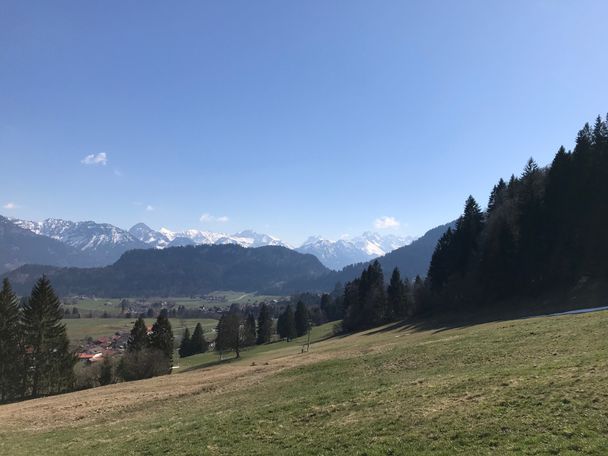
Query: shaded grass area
{"x": 537, "y": 386}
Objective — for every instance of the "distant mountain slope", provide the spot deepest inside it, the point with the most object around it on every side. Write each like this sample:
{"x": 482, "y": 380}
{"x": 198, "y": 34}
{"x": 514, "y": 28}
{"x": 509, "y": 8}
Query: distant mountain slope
{"x": 20, "y": 246}
{"x": 184, "y": 271}
{"x": 343, "y": 252}
{"x": 412, "y": 259}
{"x": 149, "y": 236}
{"x": 103, "y": 242}
{"x": 333, "y": 254}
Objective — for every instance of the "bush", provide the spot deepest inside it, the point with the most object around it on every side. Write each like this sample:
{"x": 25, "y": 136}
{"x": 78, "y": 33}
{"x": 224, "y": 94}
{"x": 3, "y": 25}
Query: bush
{"x": 146, "y": 363}
{"x": 106, "y": 372}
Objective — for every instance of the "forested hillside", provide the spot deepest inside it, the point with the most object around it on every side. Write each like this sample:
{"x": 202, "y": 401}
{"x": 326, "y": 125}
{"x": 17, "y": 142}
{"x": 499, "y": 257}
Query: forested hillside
{"x": 543, "y": 230}
{"x": 183, "y": 271}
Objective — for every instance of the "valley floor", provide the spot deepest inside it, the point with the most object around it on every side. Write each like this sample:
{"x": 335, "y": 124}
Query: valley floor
{"x": 535, "y": 386}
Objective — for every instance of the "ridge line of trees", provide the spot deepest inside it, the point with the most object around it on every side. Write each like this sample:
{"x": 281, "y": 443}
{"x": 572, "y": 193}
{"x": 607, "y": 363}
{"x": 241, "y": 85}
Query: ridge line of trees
{"x": 541, "y": 231}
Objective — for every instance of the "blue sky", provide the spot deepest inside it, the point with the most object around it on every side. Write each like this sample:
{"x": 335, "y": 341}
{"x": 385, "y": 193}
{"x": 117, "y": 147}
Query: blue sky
{"x": 291, "y": 118}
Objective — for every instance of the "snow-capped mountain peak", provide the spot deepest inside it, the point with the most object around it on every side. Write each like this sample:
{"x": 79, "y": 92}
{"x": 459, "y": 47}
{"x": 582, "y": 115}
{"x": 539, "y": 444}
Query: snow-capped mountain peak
{"x": 340, "y": 253}
{"x": 106, "y": 242}
{"x": 246, "y": 238}
{"x": 167, "y": 233}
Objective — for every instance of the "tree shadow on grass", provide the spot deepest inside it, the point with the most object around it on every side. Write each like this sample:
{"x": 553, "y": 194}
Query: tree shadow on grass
{"x": 217, "y": 362}
{"x": 513, "y": 309}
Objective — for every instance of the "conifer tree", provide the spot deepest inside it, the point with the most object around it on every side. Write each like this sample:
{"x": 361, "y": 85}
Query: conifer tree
{"x": 11, "y": 355}
{"x": 185, "y": 345}
{"x": 198, "y": 343}
{"x": 138, "y": 340}
{"x": 352, "y": 306}
{"x": 49, "y": 361}
{"x": 331, "y": 307}
{"x": 372, "y": 296}
{"x": 264, "y": 325}
{"x": 229, "y": 334}
{"x": 161, "y": 337}
{"x": 221, "y": 334}
{"x": 302, "y": 319}
{"x": 286, "y": 326}
{"x": 249, "y": 337}
{"x": 396, "y": 297}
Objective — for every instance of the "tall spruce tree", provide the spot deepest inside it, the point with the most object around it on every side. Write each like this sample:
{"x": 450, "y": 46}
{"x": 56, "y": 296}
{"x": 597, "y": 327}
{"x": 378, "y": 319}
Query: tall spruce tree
{"x": 161, "y": 337}
{"x": 221, "y": 335}
{"x": 264, "y": 325}
{"x": 11, "y": 354}
{"x": 352, "y": 306}
{"x": 249, "y": 337}
{"x": 286, "y": 326}
{"x": 373, "y": 295}
{"x": 185, "y": 345}
{"x": 396, "y": 297}
{"x": 302, "y": 319}
{"x": 138, "y": 339}
{"x": 331, "y": 307}
{"x": 49, "y": 361}
{"x": 198, "y": 343}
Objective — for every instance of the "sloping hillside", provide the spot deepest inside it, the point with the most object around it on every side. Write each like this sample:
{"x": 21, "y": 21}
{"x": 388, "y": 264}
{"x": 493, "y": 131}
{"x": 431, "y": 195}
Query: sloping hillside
{"x": 19, "y": 246}
{"x": 498, "y": 388}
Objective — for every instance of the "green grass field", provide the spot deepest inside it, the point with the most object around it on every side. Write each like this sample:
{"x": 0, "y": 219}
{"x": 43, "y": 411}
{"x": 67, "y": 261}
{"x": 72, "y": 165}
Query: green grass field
{"x": 97, "y": 305}
{"x": 225, "y": 298}
{"x": 535, "y": 387}
{"x": 81, "y": 328}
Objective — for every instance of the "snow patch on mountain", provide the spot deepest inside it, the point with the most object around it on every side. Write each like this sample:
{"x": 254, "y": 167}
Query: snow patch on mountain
{"x": 247, "y": 238}
{"x": 340, "y": 253}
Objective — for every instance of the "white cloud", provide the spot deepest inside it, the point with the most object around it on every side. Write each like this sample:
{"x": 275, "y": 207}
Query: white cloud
{"x": 149, "y": 208}
{"x": 386, "y": 222}
{"x": 208, "y": 218}
{"x": 95, "y": 159}
{"x": 10, "y": 205}
{"x": 118, "y": 173}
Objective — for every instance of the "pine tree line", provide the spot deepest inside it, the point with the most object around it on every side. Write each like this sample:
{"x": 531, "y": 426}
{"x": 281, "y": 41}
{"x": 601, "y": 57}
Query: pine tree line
{"x": 541, "y": 231}
{"x": 195, "y": 344}
{"x": 368, "y": 302}
{"x": 235, "y": 332}
{"x": 35, "y": 359}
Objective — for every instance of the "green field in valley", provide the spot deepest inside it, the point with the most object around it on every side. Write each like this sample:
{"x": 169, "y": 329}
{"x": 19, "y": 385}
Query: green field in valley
{"x": 217, "y": 298}
{"x": 81, "y": 328}
{"x": 535, "y": 387}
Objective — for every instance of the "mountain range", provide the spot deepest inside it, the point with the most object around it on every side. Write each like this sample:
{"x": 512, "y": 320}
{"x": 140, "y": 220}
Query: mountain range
{"x": 191, "y": 270}
{"x": 101, "y": 244}
{"x": 183, "y": 271}
{"x": 20, "y": 246}
{"x": 338, "y": 254}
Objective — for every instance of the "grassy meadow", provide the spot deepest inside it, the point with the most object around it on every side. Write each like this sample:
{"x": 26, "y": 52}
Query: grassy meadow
{"x": 534, "y": 386}
{"x": 81, "y": 328}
